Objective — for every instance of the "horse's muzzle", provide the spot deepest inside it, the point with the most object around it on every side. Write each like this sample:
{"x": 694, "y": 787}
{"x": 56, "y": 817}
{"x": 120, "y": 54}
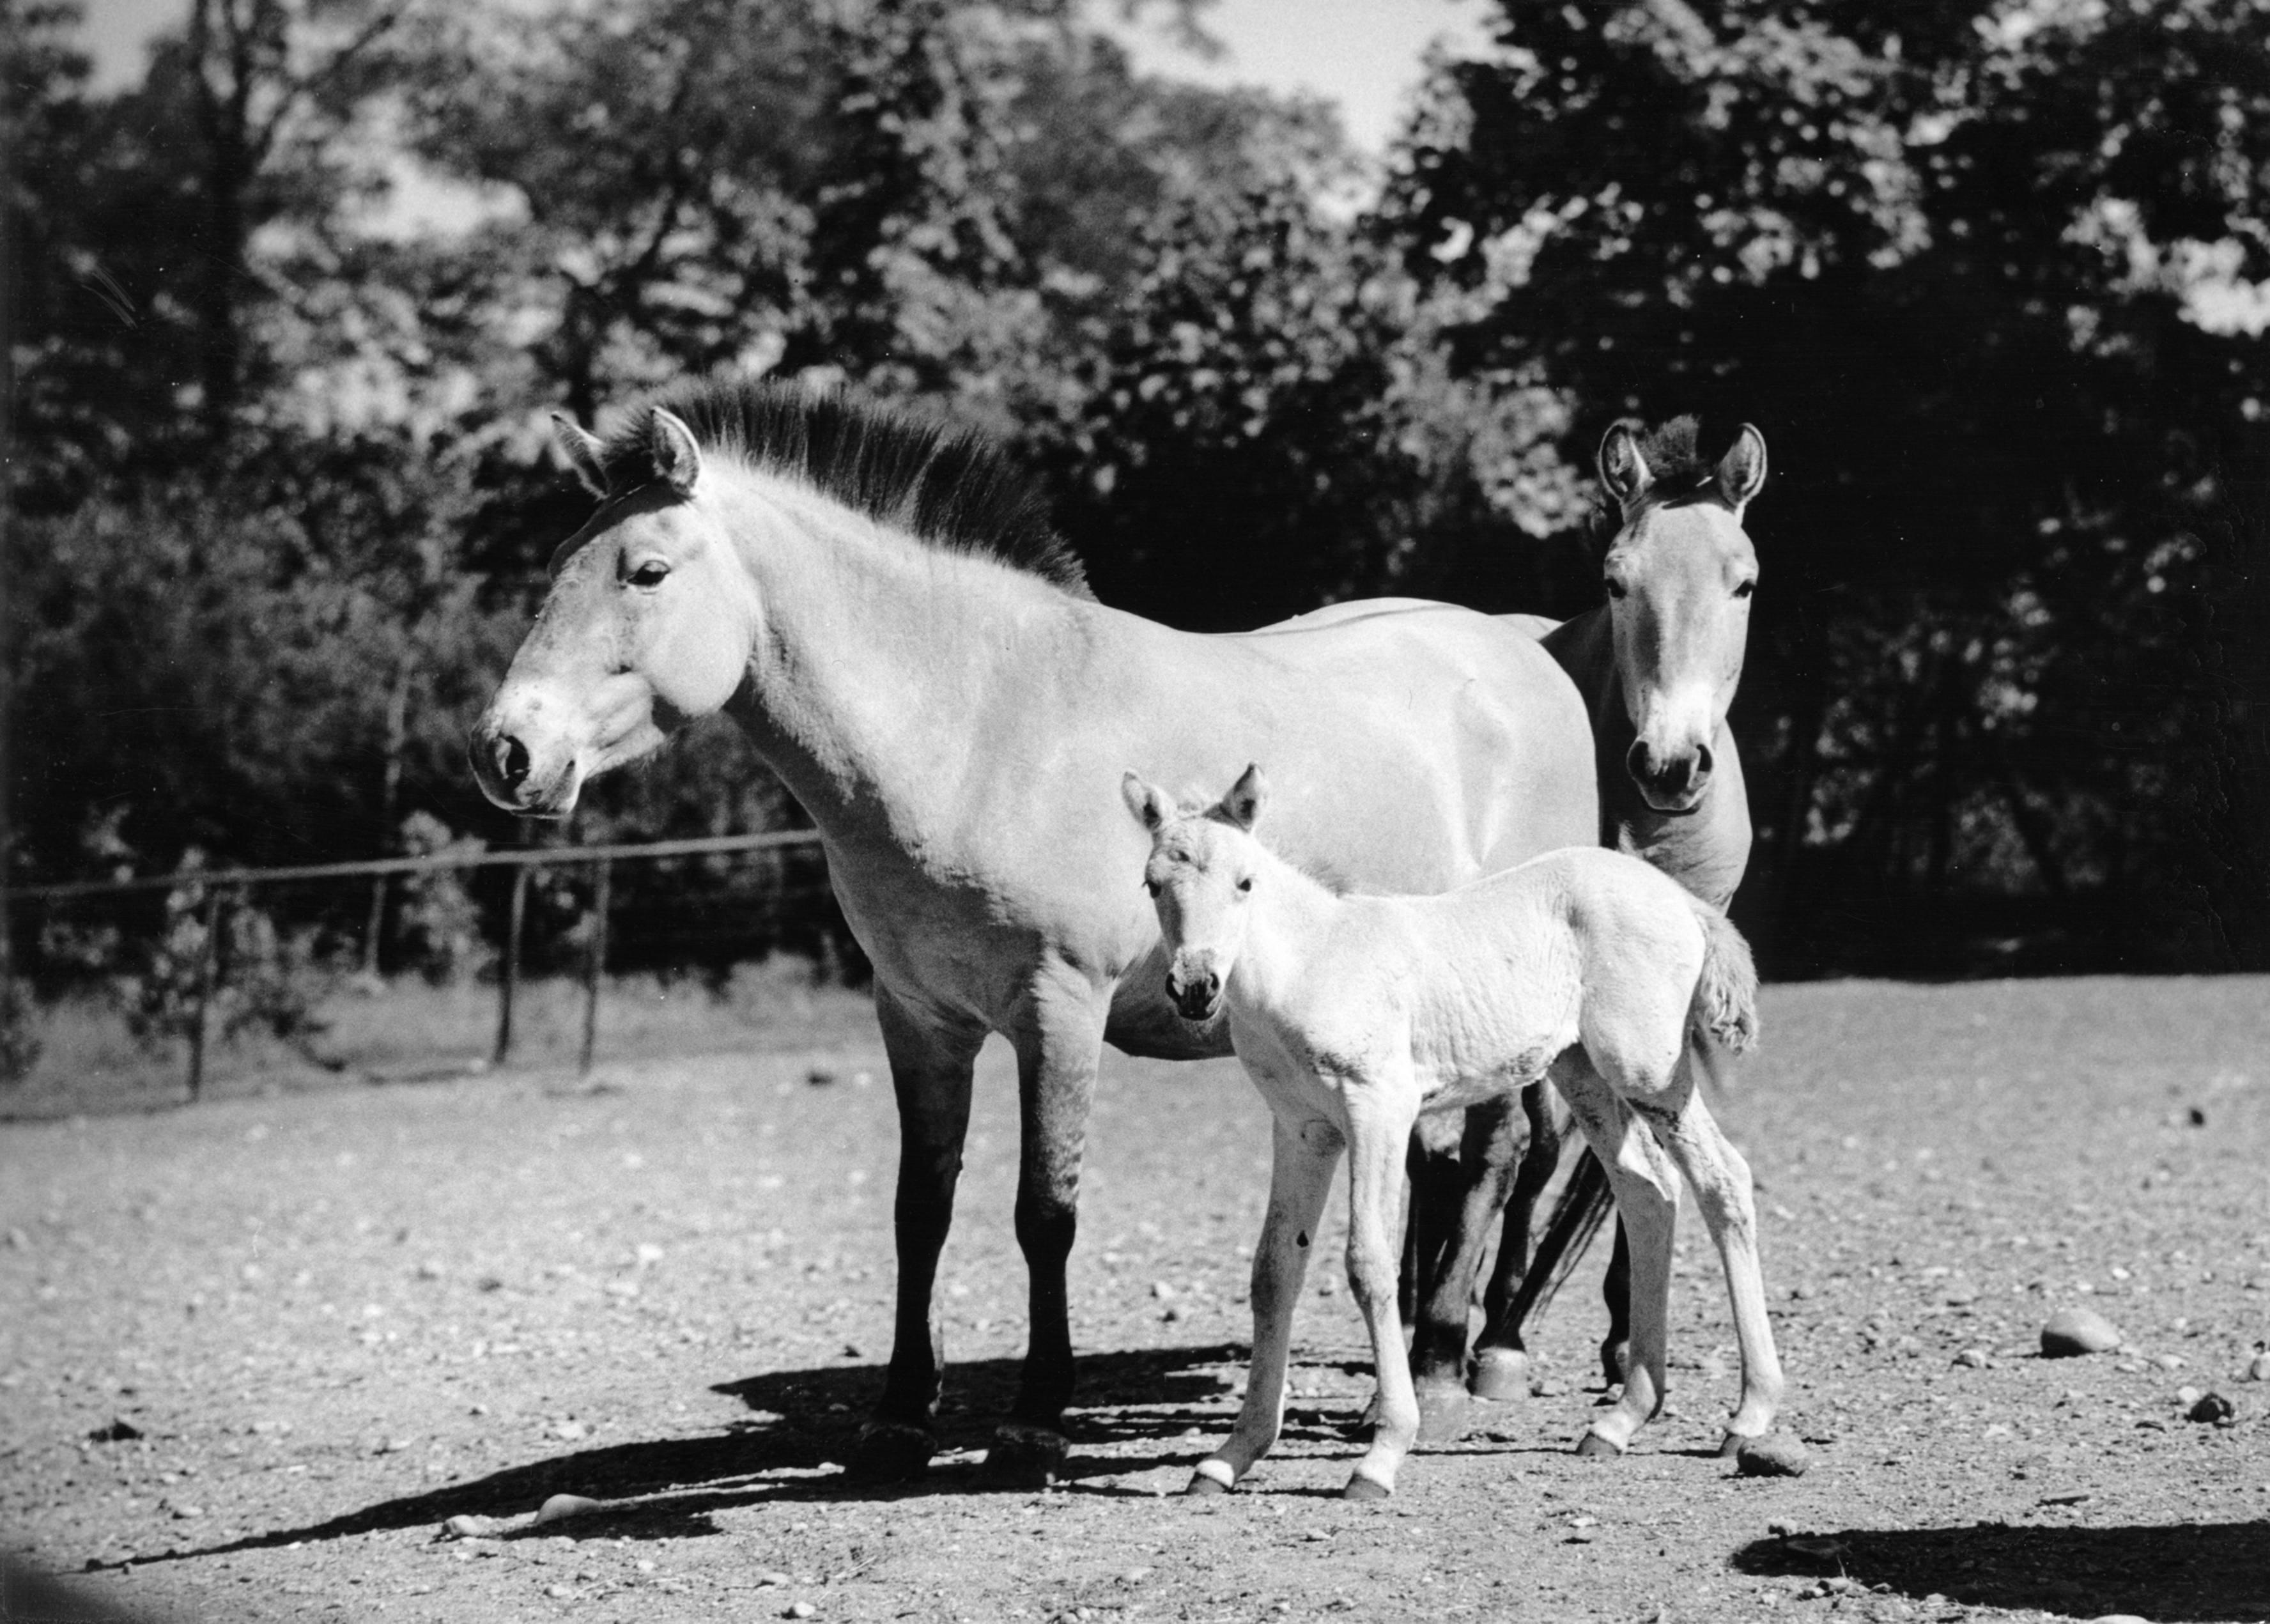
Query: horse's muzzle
{"x": 1671, "y": 785}
{"x": 511, "y": 776}
{"x": 1198, "y": 998}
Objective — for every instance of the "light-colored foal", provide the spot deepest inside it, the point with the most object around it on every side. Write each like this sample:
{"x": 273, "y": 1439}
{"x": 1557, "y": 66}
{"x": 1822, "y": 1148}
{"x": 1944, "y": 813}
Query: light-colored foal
{"x": 1353, "y": 1014}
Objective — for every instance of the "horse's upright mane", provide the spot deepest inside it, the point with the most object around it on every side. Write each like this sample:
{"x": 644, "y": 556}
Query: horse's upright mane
{"x": 952, "y": 490}
{"x": 1676, "y": 470}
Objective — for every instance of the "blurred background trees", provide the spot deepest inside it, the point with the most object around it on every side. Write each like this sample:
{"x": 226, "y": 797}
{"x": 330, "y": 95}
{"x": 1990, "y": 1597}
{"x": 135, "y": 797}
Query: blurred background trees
{"x": 1995, "y": 280}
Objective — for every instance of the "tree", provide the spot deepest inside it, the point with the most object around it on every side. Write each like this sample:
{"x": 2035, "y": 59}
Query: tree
{"x": 1981, "y": 272}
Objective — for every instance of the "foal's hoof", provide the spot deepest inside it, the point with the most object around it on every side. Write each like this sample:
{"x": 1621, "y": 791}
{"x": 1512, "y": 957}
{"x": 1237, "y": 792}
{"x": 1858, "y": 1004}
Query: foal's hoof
{"x": 890, "y": 1452}
{"x": 1501, "y": 1375}
{"x": 1443, "y": 1411}
{"x": 1024, "y": 1455}
{"x": 1202, "y": 1487}
{"x": 1361, "y": 1487}
{"x": 1592, "y": 1446}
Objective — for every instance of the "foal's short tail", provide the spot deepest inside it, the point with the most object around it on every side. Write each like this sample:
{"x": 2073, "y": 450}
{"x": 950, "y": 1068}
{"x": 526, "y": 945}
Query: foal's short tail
{"x": 1725, "y": 1013}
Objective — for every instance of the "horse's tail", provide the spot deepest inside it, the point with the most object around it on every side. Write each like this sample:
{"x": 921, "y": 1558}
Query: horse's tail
{"x": 1725, "y": 1013}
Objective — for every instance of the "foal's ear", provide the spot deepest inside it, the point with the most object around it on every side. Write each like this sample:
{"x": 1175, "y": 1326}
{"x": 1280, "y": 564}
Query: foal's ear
{"x": 1622, "y": 469}
{"x": 676, "y": 459}
{"x": 1147, "y": 802}
{"x": 1242, "y": 804}
{"x": 580, "y": 449}
{"x": 1742, "y": 470}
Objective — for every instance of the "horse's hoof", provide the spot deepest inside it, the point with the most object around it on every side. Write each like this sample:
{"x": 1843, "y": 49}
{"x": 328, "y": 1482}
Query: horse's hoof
{"x": 1501, "y": 1374}
{"x": 1592, "y": 1446}
{"x": 1201, "y": 1486}
{"x": 1361, "y": 1487}
{"x": 1024, "y": 1455}
{"x": 1442, "y": 1412}
{"x": 890, "y": 1452}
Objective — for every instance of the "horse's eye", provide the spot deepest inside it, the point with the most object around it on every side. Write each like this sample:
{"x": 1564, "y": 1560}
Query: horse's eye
{"x": 1744, "y": 589}
{"x": 653, "y": 573}
{"x": 1617, "y": 590}
{"x": 1246, "y": 883}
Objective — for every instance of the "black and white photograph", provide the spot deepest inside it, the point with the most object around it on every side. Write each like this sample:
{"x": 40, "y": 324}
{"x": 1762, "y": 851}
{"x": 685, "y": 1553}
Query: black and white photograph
{"x": 1135, "y": 811}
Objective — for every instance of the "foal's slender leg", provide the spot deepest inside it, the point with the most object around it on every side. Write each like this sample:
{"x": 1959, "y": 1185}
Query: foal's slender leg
{"x": 1379, "y": 1123}
{"x": 1466, "y": 1213}
{"x": 930, "y": 1062}
{"x": 1721, "y": 1178}
{"x": 1646, "y": 1188}
{"x": 1059, "y": 1044}
{"x": 1303, "y": 1155}
{"x": 1500, "y": 1357}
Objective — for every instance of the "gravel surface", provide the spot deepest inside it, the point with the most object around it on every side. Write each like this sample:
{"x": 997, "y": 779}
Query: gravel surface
{"x": 256, "y": 1357}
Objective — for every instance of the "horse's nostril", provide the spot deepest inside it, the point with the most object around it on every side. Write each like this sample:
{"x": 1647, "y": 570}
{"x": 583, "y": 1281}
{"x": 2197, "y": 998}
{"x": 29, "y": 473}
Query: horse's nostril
{"x": 512, "y": 762}
{"x": 1702, "y": 762}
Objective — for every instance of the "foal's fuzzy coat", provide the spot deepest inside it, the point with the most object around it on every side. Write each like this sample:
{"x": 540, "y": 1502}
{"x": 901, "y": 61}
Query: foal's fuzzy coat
{"x": 1353, "y": 1014}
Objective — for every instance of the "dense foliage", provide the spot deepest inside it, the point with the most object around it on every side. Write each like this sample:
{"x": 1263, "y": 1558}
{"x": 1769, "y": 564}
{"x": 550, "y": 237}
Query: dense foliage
{"x": 1993, "y": 278}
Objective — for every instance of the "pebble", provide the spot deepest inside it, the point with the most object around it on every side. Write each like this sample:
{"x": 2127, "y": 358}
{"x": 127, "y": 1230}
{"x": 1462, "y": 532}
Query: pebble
{"x": 1961, "y": 1294}
{"x": 469, "y": 1527}
{"x": 1974, "y": 1358}
{"x": 800, "y": 1610}
{"x": 2189, "y": 1396}
{"x": 2171, "y": 1361}
{"x": 1776, "y": 1455}
{"x": 2211, "y": 1407}
{"x": 2071, "y": 1331}
{"x": 2258, "y": 1368}
{"x": 560, "y": 1507}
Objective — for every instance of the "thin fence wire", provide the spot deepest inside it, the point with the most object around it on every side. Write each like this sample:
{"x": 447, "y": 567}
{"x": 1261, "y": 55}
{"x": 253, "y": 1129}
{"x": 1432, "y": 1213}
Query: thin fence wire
{"x": 216, "y": 891}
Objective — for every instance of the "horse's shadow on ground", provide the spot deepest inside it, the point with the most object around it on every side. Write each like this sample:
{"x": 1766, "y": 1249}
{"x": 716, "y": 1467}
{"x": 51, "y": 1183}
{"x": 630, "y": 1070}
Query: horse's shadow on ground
{"x": 803, "y": 1423}
{"x": 2182, "y": 1571}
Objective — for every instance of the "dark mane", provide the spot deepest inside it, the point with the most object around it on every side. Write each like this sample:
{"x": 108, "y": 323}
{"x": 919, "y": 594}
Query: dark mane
{"x": 1678, "y": 471}
{"x": 952, "y": 490}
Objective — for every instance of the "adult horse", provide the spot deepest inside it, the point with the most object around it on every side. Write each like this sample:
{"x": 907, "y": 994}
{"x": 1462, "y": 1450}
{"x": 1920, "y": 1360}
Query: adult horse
{"x": 907, "y": 645}
{"x": 1657, "y": 664}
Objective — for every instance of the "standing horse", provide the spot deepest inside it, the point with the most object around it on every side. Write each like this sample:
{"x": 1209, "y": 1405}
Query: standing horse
{"x": 1658, "y": 664}
{"x": 907, "y": 645}
{"x": 1354, "y": 1014}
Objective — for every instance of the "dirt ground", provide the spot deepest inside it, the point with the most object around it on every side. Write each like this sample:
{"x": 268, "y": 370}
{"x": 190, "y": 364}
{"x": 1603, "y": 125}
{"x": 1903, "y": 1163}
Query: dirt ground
{"x": 331, "y": 1322}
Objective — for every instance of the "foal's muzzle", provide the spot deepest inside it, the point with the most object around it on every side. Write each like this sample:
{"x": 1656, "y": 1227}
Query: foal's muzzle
{"x": 1196, "y": 996}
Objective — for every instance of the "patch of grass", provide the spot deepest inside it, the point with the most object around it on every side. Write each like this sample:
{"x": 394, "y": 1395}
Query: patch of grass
{"x": 406, "y": 1030}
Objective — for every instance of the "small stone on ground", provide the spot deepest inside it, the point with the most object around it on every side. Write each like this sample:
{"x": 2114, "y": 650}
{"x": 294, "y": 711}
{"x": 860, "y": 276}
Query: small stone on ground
{"x": 2073, "y": 1332}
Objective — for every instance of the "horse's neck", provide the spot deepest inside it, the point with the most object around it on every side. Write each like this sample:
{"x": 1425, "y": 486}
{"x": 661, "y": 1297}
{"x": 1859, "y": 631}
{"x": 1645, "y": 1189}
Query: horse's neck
{"x": 1706, "y": 850}
{"x": 1291, "y": 914}
{"x": 877, "y": 658}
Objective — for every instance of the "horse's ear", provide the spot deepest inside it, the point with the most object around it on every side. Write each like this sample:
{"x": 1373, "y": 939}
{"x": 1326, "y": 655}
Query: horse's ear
{"x": 1742, "y": 470}
{"x": 1147, "y": 802}
{"x": 1242, "y": 804}
{"x": 677, "y": 458}
{"x": 1622, "y": 469}
{"x": 580, "y": 448}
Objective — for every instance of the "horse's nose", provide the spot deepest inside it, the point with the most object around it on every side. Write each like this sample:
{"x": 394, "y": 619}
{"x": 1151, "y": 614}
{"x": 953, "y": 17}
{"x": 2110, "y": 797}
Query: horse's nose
{"x": 1674, "y": 778}
{"x": 512, "y": 761}
{"x": 1196, "y": 999}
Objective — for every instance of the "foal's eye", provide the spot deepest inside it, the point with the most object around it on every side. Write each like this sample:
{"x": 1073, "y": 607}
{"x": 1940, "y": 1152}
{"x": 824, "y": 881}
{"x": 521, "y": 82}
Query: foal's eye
{"x": 1744, "y": 589}
{"x": 1246, "y": 883}
{"x": 653, "y": 573}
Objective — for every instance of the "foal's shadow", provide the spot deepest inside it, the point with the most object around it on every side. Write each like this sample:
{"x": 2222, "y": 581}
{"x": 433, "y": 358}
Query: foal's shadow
{"x": 2184, "y": 1571}
{"x": 803, "y": 1425}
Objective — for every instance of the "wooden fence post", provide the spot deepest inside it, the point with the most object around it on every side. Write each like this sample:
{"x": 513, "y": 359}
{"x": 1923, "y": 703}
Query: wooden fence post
{"x": 508, "y": 972}
{"x": 208, "y": 962}
{"x": 594, "y": 969}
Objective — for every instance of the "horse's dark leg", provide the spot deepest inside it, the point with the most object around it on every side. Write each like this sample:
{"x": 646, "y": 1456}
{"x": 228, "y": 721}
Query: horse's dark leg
{"x": 1058, "y": 1051}
{"x": 1456, "y": 1203}
{"x": 930, "y": 1073}
{"x": 1616, "y": 1291}
{"x": 1501, "y": 1357}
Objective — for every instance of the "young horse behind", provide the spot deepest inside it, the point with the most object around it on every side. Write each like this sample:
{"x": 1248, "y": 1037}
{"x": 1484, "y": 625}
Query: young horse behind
{"x": 1353, "y": 1014}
